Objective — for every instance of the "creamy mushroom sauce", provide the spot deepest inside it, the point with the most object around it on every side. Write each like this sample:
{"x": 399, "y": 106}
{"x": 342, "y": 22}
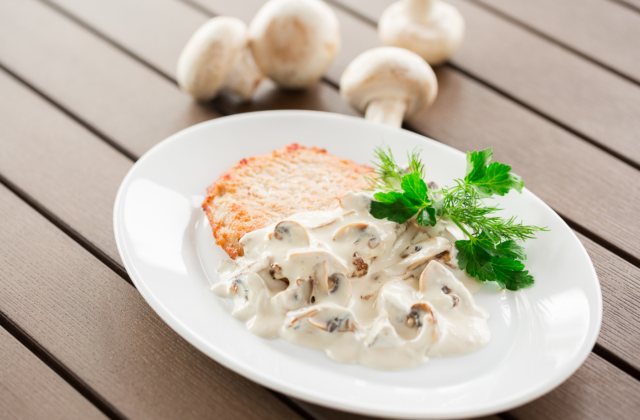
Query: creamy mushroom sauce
{"x": 365, "y": 290}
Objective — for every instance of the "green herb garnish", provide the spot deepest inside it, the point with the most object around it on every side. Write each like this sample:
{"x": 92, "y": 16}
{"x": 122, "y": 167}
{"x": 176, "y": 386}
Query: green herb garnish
{"x": 491, "y": 252}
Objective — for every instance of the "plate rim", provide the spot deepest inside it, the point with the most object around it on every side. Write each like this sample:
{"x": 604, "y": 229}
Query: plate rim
{"x": 272, "y": 383}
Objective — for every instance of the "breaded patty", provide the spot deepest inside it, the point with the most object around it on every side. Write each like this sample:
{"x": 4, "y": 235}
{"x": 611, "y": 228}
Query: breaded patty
{"x": 264, "y": 189}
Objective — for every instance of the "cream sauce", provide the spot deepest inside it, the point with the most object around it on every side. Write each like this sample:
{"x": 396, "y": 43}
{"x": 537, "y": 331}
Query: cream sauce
{"x": 365, "y": 290}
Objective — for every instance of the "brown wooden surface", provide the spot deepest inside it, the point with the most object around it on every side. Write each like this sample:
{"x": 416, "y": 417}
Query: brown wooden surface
{"x": 99, "y": 327}
{"x": 512, "y": 152}
{"x": 602, "y": 30}
{"x": 29, "y": 389}
{"x": 111, "y": 68}
{"x": 548, "y": 78}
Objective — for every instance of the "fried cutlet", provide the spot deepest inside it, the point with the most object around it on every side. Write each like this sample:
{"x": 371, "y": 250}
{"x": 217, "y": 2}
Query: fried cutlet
{"x": 264, "y": 189}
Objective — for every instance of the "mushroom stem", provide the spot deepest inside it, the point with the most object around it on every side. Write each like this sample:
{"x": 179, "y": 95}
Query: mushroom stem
{"x": 386, "y": 111}
{"x": 245, "y": 76}
{"x": 419, "y": 10}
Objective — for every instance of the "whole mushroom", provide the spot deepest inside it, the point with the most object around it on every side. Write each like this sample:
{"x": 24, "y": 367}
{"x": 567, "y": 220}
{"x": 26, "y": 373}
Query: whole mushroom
{"x": 217, "y": 56}
{"x": 432, "y": 29}
{"x": 294, "y": 41}
{"x": 389, "y": 84}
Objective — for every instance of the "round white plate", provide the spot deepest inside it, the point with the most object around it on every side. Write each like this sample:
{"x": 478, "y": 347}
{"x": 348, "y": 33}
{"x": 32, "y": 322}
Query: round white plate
{"x": 540, "y": 335}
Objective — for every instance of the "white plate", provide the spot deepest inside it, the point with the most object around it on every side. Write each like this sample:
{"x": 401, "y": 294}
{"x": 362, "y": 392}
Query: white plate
{"x": 540, "y": 335}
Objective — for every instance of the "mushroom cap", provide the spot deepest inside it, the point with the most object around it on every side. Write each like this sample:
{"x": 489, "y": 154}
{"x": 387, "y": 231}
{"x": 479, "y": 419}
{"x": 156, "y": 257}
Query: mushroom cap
{"x": 209, "y": 56}
{"x": 294, "y": 41}
{"x": 389, "y": 73}
{"x": 434, "y": 37}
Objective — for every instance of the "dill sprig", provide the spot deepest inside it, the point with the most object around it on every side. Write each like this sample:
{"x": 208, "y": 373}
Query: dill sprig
{"x": 491, "y": 252}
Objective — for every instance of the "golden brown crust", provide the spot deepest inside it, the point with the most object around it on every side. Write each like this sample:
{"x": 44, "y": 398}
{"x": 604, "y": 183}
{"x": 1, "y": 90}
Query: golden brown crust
{"x": 261, "y": 190}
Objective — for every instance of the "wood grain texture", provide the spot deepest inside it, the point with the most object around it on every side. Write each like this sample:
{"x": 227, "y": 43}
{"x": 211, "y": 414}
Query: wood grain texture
{"x": 101, "y": 329}
{"x": 603, "y": 30}
{"x": 620, "y": 282}
{"x": 468, "y": 116}
{"x": 29, "y": 389}
{"x": 111, "y": 91}
{"x": 546, "y": 77}
{"x": 586, "y": 396}
{"x": 323, "y": 413}
{"x": 157, "y": 30}
{"x": 59, "y": 163}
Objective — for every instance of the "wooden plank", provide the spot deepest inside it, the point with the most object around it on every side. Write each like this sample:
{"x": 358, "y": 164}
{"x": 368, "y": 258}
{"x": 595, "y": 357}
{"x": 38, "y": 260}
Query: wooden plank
{"x": 621, "y": 288}
{"x": 586, "y": 396}
{"x": 29, "y": 389}
{"x": 60, "y": 164}
{"x": 620, "y": 282}
{"x": 157, "y": 30}
{"x": 113, "y": 93}
{"x": 605, "y": 31}
{"x": 546, "y": 77}
{"x": 99, "y": 327}
{"x": 633, "y": 4}
{"x": 469, "y": 116}
{"x": 323, "y": 413}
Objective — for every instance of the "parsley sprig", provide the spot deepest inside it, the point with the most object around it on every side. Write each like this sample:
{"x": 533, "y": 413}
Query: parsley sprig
{"x": 491, "y": 253}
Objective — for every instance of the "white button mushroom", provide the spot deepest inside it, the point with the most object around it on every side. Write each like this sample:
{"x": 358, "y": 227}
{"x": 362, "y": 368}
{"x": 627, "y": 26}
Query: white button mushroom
{"x": 389, "y": 84}
{"x": 294, "y": 41}
{"x": 216, "y": 57}
{"x": 432, "y": 29}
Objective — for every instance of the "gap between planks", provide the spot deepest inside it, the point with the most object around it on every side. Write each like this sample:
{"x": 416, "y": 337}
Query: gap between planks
{"x": 502, "y": 92}
{"x": 596, "y": 238}
{"x": 59, "y": 368}
{"x": 551, "y": 39}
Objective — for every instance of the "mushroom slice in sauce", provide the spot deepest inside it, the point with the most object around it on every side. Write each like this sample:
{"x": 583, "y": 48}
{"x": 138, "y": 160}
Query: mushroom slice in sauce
{"x": 440, "y": 286}
{"x": 362, "y": 235}
{"x": 333, "y": 319}
{"x": 314, "y": 256}
{"x": 419, "y": 254}
{"x": 363, "y": 242}
{"x": 248, "y": 290}
{"x": 382, "y": 333}
{"x": 413, "y": 320}
{"x": 331, "y": 221}
{"x": 292, "y": 233}
{"x": 334, "y": 288}
{"x": 297, "y": 295}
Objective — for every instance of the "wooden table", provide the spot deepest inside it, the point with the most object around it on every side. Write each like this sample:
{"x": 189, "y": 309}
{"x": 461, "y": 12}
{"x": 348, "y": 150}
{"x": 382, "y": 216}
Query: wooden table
{"x": 87, "y": 87}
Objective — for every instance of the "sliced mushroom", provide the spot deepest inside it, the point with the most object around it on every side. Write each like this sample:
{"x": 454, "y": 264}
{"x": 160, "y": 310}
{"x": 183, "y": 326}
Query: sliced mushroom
{"x": 294, "y": 317}
{"x": 382, "y": 333}
{"x": 364, "y": 235}
{"x": 359, "y": 268}
{"x": 333, "y": 319}
{"x": 440, "y": 286}
{"x": 296, "y": 296}
{"x": 312, "y": 257}
{"x": 330, "y": 221}
{"x": 334, "y": 288}
{"x": 355, "y": 201}
{"x": 422, "y": 235}
{"x": 249, "y": 290}
{"x": 419, "y": 254}
{"x": 292, "y": 233}
{"x": 412, "y": 319}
